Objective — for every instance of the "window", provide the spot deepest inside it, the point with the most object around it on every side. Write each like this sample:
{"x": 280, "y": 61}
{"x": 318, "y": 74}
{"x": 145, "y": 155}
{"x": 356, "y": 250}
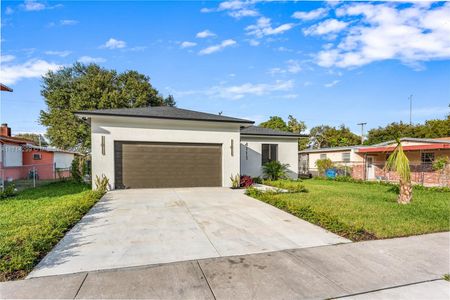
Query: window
{"x": 37, "y": 156}
{"x": 346, "y": 157}
{"x": 323, "y": 156}
{"x": 269, "y": 153}
{"x": 427, "y": 157}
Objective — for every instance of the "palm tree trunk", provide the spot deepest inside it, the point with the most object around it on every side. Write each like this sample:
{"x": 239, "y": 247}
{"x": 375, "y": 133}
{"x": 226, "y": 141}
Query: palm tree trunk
{"x": 405, "y": 195}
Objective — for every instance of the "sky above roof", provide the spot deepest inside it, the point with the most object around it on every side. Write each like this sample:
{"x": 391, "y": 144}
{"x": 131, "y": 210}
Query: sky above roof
{"x": 323, "y": 62}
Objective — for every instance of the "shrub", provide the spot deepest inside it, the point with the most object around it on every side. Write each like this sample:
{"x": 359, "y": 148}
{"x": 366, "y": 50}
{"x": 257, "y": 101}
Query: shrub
{"x": 246, "y": 181}
{"x": 257, "y": 180}
{"x": 9, "y": 191}
{"x": 235, "y": 181}
{"x": 292, "y": 186}
{"x": 75, "y": 169}
{"x": 101, "y": 184}
{"x": 275, "y": 170}
{"x": 440, "y": 163}
{"x": 323, "y": 164}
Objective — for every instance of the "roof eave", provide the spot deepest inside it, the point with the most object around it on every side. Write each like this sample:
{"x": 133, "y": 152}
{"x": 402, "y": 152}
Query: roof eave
{"x": 272, "y": 135}
{"x": 90, "y": 114}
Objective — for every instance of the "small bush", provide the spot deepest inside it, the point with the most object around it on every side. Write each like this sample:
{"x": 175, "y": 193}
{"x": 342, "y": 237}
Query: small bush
{"x": 9, "y": 191}
{"x": 440, "y": 162}
{"x": 246, "y": 181}
{"x": 292, "y": 186}
{"x": 324, "y": 164}
{"x": 101, "y": 184}
{"x": 257, "y": 180}
{"x": 235, "y": 181}
{"x": 75, "y": 169}
{"x": 275, "y": 170}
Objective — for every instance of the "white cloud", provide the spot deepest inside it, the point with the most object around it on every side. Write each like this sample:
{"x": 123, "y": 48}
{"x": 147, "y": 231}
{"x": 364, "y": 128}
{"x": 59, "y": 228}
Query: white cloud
{"x": 411, "y": 34}
{"x": 263, "y": 27}
{"x": 32, "y": 5}
{"x": 187, "y": 44}
{"x": 31, "y": 69}
{"x": 235, "y": 92}
{"x": 292, "y": 66}
{"x": 253, "y": 42}
{"x": 325, "y": 27}
{"x": 310, "y": 15}
{"x": 114, "y": 44}
{"x": 68, "y": 22}
{"x": 6, "y": 58}
{"x": 90, "y": 60}
{"x": 231, "y": 5}
{"x": 331, "y": 84}
{"x": 204, "y": 34}
{"x": 59, "y": 53}
{"x": 240, "y": 91}
{"x": 207, "y": 10}
{"x": 243, "y": 13}
{"x": 218, "y": 47}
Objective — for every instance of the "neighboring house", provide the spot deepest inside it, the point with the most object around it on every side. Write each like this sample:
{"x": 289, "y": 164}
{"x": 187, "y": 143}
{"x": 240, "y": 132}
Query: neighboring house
{"x": 21, "y": 158}
{"x": 172, "y": 147}
{"x": 345, "y": 156}
{"x": 367, "y": 162}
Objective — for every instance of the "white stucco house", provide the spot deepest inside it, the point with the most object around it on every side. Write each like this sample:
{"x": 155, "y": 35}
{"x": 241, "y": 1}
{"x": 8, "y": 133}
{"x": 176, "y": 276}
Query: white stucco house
{"x": 156, "y": 147}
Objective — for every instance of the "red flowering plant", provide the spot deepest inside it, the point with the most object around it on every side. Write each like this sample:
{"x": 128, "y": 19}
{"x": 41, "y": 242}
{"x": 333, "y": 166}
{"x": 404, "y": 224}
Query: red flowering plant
{"x": 246, "y": 181}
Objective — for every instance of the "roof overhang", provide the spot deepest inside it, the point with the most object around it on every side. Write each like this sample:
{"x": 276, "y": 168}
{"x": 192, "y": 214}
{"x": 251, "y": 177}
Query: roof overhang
{"x": 405, "y": 148}
{"x": 88, "y": 115}
{"x": 272, "y": 135}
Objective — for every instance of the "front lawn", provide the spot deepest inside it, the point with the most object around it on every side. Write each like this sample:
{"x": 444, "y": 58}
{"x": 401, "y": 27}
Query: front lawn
{"x": 32, "y": 222}
{"x": 363, "y": 211}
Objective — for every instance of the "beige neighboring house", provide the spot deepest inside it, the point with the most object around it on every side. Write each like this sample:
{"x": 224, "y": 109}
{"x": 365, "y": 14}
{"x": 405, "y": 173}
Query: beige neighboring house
{"x": 367, "y": 162}
{"x": 345, "y": 156}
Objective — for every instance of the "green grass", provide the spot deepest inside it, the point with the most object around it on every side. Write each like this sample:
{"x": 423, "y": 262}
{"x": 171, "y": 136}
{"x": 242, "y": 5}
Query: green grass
{"x": 32, "y": 222}
{"x": 363, "y": 211}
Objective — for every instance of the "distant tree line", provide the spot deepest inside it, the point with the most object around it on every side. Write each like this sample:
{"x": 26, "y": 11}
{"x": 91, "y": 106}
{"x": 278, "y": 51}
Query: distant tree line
{"x": 324, "y": 136}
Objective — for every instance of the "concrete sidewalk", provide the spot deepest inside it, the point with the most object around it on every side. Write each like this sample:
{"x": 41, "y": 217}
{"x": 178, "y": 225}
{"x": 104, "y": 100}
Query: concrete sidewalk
{"x": 404, "y": 265}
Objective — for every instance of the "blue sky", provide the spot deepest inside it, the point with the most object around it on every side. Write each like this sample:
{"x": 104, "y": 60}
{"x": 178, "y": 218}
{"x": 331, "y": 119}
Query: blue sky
{"x": 323, "y": 62}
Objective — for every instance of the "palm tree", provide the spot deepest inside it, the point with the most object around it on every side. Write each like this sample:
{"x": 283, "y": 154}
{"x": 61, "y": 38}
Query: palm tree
{"x": 398, "y": 162}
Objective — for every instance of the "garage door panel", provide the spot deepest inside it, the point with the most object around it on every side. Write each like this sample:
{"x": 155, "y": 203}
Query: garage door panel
{"x": 149, "y": 165}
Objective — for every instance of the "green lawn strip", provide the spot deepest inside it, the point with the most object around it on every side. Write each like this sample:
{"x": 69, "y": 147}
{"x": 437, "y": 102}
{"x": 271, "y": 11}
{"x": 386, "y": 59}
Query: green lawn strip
{"x": 32, "y": 222}
{"x": 361, "y": 212}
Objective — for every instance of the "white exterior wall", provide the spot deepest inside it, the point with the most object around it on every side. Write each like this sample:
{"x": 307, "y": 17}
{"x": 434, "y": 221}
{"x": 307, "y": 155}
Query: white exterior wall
{"x": 334, "y": 156}
{"x": 157, "y": 130}
{"x": 62, "y": 160}
{"x": 12, "y": 155}
{"x": 251, "y": 162}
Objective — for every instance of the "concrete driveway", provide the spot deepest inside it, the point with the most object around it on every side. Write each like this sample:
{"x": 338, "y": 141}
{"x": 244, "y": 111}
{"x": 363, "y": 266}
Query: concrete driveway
{"x": 151, "y": 226}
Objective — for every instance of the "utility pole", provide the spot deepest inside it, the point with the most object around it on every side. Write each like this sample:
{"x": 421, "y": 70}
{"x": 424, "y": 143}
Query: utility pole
{"x": 410, "y": 109}
{"x": 362, "y": 131}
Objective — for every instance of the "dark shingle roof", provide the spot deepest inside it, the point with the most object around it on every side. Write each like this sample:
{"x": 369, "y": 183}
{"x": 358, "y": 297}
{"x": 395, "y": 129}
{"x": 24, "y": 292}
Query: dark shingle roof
{"x": 257, "y": 130}
{"x": 163, "y": 112}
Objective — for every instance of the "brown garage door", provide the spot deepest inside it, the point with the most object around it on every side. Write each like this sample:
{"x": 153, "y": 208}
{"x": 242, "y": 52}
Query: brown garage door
{"x": 155, "y": 165}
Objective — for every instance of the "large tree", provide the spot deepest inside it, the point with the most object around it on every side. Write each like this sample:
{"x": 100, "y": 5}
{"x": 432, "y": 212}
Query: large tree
{"x": 293, "y": 125}
{"x": 430, "y": 129}
{"x": 88, "y": 87}
{"x": 324, "y": 136}
{"x": 276, "y": 123}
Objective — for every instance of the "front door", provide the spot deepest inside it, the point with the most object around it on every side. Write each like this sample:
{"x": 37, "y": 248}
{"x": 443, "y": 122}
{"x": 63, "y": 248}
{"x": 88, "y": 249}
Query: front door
{"x": 370, "y": 169}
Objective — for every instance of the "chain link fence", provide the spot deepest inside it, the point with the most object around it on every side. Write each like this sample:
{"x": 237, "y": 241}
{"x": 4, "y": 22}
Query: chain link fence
{"x": 29, "y": 176}
{"x": 421, "y": 173}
